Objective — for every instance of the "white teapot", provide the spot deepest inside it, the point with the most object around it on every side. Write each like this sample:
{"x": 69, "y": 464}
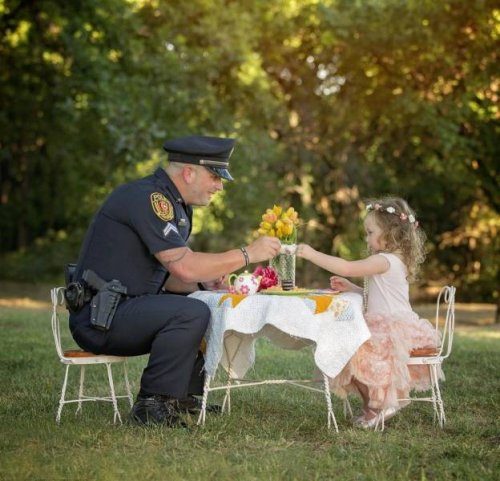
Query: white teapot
{"x": 245, "y": 283}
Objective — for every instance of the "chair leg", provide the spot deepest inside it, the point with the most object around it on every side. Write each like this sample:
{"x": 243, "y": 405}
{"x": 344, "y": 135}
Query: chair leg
{"x": 116, "y": 414}
{"x": 440, "y": 404}
{"x": 347, "y": 409}
{"x": 127, "y": 384}
{"x": 206, "y": 388}
{"x": 328, "y": 398}
{"x": 226, "y": 403}
{"x": 380, "y": 425}
{"x": 80, "y": 390}
{"x": 433, "y": 394}
{"x": 63, "y": 394}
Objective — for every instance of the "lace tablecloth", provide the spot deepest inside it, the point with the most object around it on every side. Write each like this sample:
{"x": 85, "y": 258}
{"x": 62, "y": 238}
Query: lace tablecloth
{"x": 333, "y": 324}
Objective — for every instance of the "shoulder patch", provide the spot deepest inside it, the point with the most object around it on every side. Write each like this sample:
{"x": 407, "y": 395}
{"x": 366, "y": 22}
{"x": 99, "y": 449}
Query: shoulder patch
{"x": 162, "y": 206}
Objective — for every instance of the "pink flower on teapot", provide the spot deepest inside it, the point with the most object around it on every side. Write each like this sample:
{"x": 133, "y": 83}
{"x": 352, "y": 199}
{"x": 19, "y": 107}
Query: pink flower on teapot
{"x": 245, "y": 283}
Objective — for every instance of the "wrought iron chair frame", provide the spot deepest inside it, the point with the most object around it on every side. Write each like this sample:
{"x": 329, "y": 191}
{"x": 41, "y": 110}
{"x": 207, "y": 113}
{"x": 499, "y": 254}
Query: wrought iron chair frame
{"x": 434, "y": 360}
{"x": 83, "y": 359}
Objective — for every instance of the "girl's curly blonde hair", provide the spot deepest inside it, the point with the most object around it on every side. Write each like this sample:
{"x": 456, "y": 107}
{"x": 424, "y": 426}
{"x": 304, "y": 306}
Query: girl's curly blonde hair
{"x": 400, "y": 231}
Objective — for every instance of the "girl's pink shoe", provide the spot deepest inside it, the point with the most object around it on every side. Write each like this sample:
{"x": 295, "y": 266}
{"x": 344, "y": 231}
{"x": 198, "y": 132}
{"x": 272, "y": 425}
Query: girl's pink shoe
{"x": 377, "y": 420}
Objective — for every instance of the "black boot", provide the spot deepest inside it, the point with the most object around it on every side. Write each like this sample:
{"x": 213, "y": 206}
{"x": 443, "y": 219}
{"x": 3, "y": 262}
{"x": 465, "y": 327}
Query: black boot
{"x": 156, "y": 409}
{"x": 191, "y": 404}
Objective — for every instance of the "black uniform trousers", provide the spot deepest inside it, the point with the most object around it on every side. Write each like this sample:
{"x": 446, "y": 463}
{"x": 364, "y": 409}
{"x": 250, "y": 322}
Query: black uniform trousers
{"x": 169, "y": 327}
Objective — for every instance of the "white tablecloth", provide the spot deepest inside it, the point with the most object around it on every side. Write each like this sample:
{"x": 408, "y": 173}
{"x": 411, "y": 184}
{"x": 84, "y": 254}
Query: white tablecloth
{"x": 288, "y": 321}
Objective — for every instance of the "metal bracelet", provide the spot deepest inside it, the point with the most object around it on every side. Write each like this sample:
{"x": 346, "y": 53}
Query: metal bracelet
{"x": 245, "y": 255}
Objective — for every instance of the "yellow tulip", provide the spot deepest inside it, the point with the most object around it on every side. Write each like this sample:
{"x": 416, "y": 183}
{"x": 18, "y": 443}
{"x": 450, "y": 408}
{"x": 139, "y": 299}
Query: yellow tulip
{"x": 279, "y": 222}
{"x": 287, "y": 229}
{"x": 270, "y": 217}
{"x": 277, "y": 209}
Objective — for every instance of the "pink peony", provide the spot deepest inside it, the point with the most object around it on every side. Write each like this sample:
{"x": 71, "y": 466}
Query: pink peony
{"x": 269, "y": 277}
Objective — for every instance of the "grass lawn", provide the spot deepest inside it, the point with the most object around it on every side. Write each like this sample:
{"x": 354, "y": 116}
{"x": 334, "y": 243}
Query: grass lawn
{"x": 272, "y": 433}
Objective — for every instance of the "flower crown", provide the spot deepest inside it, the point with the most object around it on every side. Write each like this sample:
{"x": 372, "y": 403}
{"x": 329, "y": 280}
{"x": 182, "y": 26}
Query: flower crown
{"x": 391, "y": 210}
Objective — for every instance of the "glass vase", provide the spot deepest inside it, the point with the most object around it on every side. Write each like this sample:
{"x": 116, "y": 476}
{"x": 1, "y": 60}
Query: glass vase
{"x": 284, "y": 264}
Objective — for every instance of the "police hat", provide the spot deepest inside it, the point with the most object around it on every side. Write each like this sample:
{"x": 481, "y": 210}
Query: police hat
{"x": 211, "y": 152}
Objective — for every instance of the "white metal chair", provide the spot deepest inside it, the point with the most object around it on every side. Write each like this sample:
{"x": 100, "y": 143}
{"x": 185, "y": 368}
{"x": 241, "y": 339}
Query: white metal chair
{"x": 82, "y": 359}
{"x": 433, "y": 358}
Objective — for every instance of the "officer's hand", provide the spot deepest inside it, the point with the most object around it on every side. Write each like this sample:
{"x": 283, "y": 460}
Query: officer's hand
{"x": 263, "y": 249}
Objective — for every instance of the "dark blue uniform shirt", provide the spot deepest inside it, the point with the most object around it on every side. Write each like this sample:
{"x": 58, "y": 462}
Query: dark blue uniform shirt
{"x": 135, "y": 222}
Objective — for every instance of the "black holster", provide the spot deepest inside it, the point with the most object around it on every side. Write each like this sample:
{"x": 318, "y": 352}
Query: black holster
{"x": 103, "y": 296}
{"x": 103, "y": 305}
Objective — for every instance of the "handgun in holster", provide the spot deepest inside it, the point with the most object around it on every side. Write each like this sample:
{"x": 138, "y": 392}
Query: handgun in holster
{"x": 76, "y": 293}
{"x": 104, "y": 304}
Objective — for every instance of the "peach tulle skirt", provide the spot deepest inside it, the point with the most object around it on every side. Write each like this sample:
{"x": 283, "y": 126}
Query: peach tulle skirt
{"x": 381, "y": 362}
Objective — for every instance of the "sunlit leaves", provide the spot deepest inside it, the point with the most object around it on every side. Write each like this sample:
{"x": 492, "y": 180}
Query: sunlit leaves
{"x": 330, "y": 102}
{"x": 19, "y": 35}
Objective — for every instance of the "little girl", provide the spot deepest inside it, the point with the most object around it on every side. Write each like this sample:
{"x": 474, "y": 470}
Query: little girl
{"x": 379, "y": 370}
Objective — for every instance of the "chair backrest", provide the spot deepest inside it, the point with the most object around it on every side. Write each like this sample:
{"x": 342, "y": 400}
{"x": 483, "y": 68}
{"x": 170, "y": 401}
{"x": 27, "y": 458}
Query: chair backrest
{"x": 57, "y": 296}
{"x": 446, "y": 305}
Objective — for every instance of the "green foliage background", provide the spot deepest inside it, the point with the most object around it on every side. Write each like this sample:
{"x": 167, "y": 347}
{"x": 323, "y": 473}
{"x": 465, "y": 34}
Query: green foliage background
{"x": 331, "y": 102}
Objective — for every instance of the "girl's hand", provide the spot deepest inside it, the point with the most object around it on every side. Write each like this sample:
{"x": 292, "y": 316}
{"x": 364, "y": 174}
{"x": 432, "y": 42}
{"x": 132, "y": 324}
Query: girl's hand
{"x": 216, "y": 284}
{"x": 341, "y": 284}
{"x": 305, "y": 251}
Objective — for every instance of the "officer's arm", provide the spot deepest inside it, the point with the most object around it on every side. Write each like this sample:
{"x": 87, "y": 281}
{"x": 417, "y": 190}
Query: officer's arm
{"x": 189, "y": 266}
{"x": 174, "y": 284}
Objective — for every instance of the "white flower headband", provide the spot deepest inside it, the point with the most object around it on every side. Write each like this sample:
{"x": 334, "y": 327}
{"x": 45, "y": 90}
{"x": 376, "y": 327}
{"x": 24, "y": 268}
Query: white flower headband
{"x": 391, "y": 210}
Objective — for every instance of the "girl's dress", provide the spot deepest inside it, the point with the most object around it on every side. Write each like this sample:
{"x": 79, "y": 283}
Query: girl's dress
{"x": 381, "y": 362}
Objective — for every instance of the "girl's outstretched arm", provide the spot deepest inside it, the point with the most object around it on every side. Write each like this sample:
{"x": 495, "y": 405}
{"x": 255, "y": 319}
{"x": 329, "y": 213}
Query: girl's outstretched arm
{"x": 375, "y": 264}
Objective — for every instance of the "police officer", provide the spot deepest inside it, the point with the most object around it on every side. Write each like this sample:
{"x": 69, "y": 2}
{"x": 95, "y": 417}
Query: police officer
{"x": 138, "y": 237}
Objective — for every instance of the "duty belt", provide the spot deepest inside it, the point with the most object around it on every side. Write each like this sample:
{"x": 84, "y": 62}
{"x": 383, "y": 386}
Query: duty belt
{"x": 104, "y": 298}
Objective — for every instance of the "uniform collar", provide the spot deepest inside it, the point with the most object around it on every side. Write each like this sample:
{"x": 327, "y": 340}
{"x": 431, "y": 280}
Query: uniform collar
{"x": 167, "y": 182}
